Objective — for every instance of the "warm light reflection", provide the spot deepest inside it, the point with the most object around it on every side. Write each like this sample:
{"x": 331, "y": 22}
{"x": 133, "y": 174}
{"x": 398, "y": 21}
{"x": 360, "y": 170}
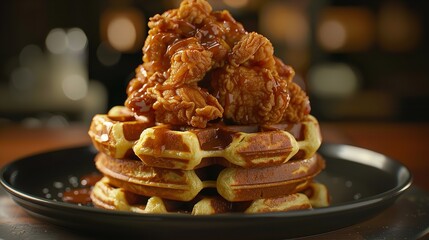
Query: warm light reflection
{"x": 332, "y": 34}
{"x": 123, "y": 29}
{"x": 364, "y": 156}
{"x": 236, "y": 3}
{"x": 282, "y": 22}
{"x": 121, "y": 33}
{"x": 346, "y": 29}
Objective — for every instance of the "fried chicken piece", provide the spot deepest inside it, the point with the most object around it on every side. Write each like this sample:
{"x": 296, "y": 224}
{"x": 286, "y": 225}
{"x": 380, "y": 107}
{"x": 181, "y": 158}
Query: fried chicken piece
{"x": 189, "y": 62}
{"x": 286, "y": 72}
{"x": 219, "y": 34}
{"x": 139, "y": 101}
{"x": 194, "y": 11}
{"x": 137, "y": 82}
{"x": 186, "y": 105}
{"x": 154, "y": 51}
{"x": 211, "y": 35}
{"x": 232, "y": 30}
{"x": 299, "y": 105}
{"x": 170, "y": 22}
{"x": 249, "y": 87}
{"x": 250, "y": 95}
{"x": 253, "y": 50}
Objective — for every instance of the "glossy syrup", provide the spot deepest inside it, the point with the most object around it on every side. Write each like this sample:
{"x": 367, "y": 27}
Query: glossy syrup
{"x": 73, "y": 189}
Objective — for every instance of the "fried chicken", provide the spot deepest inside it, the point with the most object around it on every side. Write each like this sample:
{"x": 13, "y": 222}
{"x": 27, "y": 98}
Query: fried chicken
{"x": 250, "y": 95}
{"x": 194, "y": 11}
{"x": 249, "y": 87}
{"x": 299, "y": 105}
{"x": 139, "y": 101}
{"x": 193, "y": 46}
{"x": 253, "y": 50}
{"x": 186, "y": 105}
{"x": 189, "y": 62}
{"x": 155, "y": 48}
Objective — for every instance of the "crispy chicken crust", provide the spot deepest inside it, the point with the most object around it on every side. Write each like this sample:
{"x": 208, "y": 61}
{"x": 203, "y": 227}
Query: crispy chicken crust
{"x": 193, "y": 46}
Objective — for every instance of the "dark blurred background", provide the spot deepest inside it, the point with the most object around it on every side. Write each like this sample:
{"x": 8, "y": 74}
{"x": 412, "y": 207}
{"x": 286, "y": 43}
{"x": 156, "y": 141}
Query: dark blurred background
{"x": 63, "y": 61}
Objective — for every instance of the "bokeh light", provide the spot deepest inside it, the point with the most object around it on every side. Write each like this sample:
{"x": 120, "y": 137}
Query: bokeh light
{"x": 76, "y": 39}
{"x": 236, "y": 3}
{"x": 332, "y": 34}
{"x": 30, "y": 54}
{"x": 121, "y": 33}
{"x": 74, "y": 87}
{"x": 333, "y": 80}
{"x": 56, "y": 41}
{"x": 281, "y": 22}
{"x": 123, "y": 29}
{"x": 346, "y": 29}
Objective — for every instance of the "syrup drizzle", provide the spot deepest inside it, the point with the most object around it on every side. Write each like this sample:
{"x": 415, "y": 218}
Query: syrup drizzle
{"x": 80, "y": 192}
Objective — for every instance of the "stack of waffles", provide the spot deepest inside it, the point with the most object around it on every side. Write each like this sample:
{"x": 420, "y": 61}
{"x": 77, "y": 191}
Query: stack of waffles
{"x": 160, "y": 168}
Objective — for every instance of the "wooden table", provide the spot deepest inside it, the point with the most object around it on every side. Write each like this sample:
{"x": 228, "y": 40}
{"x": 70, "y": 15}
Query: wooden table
{"x": 405, "y": 142}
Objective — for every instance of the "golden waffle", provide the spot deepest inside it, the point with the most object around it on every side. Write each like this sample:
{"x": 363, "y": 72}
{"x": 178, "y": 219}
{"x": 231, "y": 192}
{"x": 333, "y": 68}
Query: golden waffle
{"x": 233, "y": 184}
{"x": 116, "y": 132}
{"x": 318, "y": 195}
{"x": 189, "y": 148}
{"x": 107, "y": 196}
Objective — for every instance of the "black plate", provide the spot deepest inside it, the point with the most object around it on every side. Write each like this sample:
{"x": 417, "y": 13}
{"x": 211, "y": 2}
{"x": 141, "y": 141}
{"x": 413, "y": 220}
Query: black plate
{"x": 361, "y": 182}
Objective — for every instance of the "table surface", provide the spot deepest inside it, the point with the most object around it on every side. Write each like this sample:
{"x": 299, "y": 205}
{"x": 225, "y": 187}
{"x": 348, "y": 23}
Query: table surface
{"x": 408, "y": 218}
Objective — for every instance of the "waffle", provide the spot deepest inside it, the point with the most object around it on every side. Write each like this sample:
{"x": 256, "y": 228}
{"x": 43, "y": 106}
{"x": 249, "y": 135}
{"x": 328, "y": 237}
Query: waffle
{"x": 106, "y": 195}
{"x": 116, "y": 132}
{"x": 233, "y": 184}
{"x": 188, "y": 148}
